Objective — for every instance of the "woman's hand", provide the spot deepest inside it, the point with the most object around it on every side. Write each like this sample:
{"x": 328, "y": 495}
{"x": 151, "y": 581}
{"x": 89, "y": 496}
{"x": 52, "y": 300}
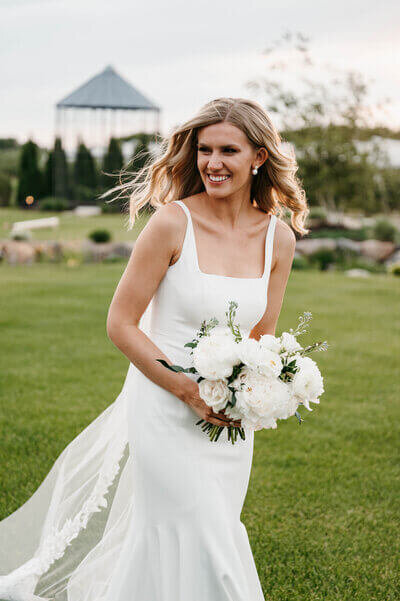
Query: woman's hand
{"x": 190, "y": 395}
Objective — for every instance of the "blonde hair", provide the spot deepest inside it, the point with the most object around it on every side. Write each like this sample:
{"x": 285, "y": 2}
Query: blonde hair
{"x": 174, "y": 175}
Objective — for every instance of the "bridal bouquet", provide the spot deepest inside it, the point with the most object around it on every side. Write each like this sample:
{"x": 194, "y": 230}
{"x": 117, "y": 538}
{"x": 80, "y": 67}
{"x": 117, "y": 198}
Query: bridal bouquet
{"x": 255, "y": 381}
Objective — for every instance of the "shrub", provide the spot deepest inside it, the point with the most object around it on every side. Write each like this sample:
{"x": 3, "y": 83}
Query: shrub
{"x": 385, "y": 231}
{"x": 22, "y": 236}
{"x": 322, "y": 258}
{"x": 394, "y": 269}
{"x": 100, "y": 235}
{"x": 300, "y": 262}
{"x": 5, "y": 189}
{"x": 318, "y": 213}
{"x": 51, "y": 203}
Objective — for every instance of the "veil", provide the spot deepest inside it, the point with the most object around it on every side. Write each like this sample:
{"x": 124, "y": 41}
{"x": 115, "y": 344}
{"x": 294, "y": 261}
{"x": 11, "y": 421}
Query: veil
{"x": 63, "y": 542}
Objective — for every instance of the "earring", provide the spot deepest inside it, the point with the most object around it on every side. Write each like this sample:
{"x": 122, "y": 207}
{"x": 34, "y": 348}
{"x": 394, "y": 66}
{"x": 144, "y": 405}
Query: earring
{"x": 254, "y": 171}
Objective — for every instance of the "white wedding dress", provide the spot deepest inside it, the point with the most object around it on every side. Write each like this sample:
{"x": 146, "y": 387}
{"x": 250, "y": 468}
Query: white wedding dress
{"x": 142, "y": 506}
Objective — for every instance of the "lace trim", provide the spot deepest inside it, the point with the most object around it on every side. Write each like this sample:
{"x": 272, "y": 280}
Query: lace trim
{"x": 54, "y": 545}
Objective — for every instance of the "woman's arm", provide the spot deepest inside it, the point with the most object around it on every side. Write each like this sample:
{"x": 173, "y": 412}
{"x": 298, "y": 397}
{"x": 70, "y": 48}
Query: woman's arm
{"x": 152, "y": 254}
{"x": 282, "y": 259}
{"x": 154, "y": 250}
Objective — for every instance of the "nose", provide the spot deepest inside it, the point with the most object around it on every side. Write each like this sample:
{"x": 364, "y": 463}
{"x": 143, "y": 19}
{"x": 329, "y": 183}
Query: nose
{"x": 214, "y": 163}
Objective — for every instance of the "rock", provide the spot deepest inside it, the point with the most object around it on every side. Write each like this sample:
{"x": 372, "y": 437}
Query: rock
{"x": 122, "y": 249}
{"x": 348, "y": 244}
{"x": 308, "y": 246}
{"x": 96, "y": 251}
{"x": 357, "y": 273}
{"x": 17, "y": 252}
{"x": 394, "y": 258}
{"x": 377, "y": 249}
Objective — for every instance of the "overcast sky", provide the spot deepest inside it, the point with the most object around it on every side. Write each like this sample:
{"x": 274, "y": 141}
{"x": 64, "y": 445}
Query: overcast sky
{"x": 179, "y": 53}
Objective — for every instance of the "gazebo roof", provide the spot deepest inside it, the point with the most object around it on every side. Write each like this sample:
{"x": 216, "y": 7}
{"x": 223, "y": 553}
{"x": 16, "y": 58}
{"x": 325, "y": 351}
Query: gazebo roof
{"x": 107, "y": 90}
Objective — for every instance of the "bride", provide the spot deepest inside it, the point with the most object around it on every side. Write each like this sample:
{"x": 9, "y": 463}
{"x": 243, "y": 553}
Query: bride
{"x": 142, "y": 506}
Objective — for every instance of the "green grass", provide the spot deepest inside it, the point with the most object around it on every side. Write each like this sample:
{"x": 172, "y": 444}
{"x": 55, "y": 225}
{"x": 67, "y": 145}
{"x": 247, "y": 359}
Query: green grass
{"x": 72, "y": 227}
{"x": 322, "y": 505}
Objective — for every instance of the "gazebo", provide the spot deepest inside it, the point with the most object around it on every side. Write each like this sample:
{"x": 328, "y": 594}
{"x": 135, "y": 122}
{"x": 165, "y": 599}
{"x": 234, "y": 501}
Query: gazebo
{"x": 106, "y": 105}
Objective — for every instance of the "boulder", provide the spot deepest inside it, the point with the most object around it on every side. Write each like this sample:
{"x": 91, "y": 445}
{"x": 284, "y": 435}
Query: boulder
{"x": 377, "y": 249}
{"x": 96, "y": 251}
{"x": 357, "y": 273}
{"x": 17, "y": 252}
{"x": 308, "y": 246}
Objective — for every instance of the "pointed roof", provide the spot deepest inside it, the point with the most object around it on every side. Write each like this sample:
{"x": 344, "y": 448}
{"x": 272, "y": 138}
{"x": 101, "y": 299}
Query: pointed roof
{"x": 107, "y": 90}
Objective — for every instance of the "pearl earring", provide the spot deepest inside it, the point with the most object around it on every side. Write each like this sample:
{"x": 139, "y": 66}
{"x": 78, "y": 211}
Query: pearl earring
{"x": 254, "y": 171}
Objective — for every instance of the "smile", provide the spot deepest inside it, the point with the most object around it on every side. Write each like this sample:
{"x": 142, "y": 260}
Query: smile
{"x": 217, "y": 178}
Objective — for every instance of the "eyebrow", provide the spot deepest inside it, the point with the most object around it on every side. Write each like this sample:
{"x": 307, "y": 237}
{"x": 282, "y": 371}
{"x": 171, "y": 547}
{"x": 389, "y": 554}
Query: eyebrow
{"x": 223, "y": 146}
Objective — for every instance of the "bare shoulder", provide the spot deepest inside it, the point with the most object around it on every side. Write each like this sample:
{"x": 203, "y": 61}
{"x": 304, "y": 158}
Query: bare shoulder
{"x": 165, "y": 230}
{"x": 285, "y": 242}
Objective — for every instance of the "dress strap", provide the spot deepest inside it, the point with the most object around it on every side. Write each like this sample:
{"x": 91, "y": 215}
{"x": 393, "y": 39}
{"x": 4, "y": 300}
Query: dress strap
{"x": 188, "y": 252}
{"x": 269, "y": 246}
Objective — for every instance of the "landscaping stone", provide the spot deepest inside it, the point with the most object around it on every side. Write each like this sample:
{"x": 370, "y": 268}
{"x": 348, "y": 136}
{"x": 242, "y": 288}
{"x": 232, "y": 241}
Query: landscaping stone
{"x": 357, "y": 273}
{"x": 377, "y": 249}
{"x": 17, "y": 252}
{"x": 308, "y": 246}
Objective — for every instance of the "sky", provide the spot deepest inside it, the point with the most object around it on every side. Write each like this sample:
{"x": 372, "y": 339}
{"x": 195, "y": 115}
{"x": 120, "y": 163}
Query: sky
{"x": 180, "y": 54}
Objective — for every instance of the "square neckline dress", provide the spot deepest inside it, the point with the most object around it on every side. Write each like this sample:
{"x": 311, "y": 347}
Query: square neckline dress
{"x": 141, "y": 505}
{"x": 186, "y": 541}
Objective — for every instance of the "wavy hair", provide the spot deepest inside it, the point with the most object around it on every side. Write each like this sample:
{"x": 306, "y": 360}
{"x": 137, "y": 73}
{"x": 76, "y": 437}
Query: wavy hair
{"x": 173, "y": 174}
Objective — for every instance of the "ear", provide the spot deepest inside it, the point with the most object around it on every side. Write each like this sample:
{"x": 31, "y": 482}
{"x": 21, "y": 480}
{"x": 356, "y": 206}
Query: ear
{"x": 261, "y": 156}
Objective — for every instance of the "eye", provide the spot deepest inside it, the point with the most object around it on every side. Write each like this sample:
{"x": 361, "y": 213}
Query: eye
{"x": 230, "y": 149}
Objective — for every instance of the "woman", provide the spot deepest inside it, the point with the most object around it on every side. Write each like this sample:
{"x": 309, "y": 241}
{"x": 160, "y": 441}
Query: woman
{"x": 141, "y": 506}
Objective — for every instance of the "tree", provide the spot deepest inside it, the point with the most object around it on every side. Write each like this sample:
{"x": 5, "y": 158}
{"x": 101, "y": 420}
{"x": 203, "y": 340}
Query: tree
{"x": 56, "y": 178}
{"x": 29, "y": 175}
{"x": 324, "y": 122}
{"x": 85, "y": 175}
{"x": 112, "y": 163}
{"x": 139, "y": 157}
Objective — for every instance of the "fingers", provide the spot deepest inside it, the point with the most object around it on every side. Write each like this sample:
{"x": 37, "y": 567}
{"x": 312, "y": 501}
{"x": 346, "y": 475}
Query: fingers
{"x": 221, "y": 419}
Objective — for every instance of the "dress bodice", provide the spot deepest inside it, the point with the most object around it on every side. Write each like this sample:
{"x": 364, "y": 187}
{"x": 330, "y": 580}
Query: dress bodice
{"x": 187, "y": 296}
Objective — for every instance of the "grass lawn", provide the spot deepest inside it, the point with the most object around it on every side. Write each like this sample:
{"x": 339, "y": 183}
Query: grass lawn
{"x": 322, "y": 505}
{"x": 72, "y": 227}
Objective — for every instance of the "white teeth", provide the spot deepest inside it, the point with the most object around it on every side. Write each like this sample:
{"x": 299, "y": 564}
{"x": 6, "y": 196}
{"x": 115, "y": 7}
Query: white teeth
{"x": 218, "y": 178}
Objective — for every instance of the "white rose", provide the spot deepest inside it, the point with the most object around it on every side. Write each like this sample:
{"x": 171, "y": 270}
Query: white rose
{"x": 216, "y": 354}
{"x": 215, "y": 393}
{"x": 307, "y": 384}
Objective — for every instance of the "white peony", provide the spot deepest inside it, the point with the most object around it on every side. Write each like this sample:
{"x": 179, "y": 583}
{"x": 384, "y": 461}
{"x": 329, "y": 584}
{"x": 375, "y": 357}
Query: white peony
{"x": 216, "y": 354}
{"x": 289, "y": 343}
{"x": 215, "y": 393}
{"x": 307, "y": 384}
{"x": 259, "y": 357}
{"x": 270, "y": 342}
{"x": 261, "y": 400}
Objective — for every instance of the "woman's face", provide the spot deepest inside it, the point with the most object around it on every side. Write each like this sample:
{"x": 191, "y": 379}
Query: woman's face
{"x": 225, "y": 159}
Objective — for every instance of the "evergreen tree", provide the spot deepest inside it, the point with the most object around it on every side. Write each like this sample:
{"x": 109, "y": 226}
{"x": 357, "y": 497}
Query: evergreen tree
{"x": 85, "y": 175}
{"x": 112, "y": 163}
{"x": 29, "y": 175}
{"x": 139, "y": 157}
{"x": 56, "y": 180}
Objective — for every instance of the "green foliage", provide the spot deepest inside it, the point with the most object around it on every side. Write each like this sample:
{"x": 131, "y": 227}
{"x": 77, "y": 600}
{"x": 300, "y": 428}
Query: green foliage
{"x": 385, "y": 230}
{"x": 51, "y": 203}
{"x": 394, "y": 269}
{"x": 100, "y": 235}
{"x": 139, "y": 157}
{"x": 323, "y": 258}
{"x": 300, "y": 262}
{"x": 112, "y": 164}
{"x": 5, "y": 189}
{"x": 85, "y": 195}
{"x": 56, "y": 173}
{"x": 29, "y": 175}
{"x": 85, "y": 173}
{"x": 336, "y": 232}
